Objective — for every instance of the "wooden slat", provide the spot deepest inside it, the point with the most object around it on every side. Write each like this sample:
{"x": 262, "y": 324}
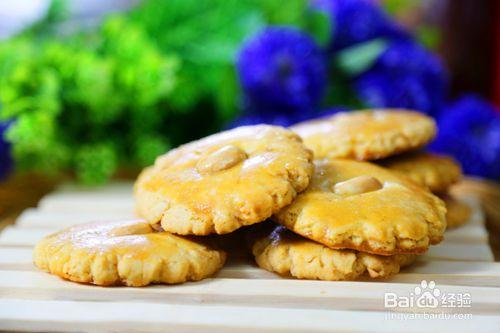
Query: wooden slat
{"x": 471, "y": 234}
{"x": 444, "y": 272}
{"x": 70, "y": 197}
{"x": 46, "y": 315}
{"x": 466, "y": 252}
{"x": 36, "y": 219}
{"x": 99, "y": 203}
{"x": 363, "y": 296}
{"x": 113, "y": 188}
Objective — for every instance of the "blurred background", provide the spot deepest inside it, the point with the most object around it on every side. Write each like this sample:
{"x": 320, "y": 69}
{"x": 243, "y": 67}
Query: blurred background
{"x": 91, "y": 90}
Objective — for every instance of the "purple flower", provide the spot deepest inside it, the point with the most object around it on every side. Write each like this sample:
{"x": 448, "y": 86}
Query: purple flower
{"x": 405, "y": 75}
{"x": 5, "y": 156}
{"x": 469, "y": 129}
{"x": 356, "y": 21}
{"x": 281, "y": 69}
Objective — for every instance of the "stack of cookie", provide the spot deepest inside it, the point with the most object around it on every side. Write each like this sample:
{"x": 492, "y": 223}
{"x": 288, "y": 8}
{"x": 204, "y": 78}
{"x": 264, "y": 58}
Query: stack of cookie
{"x": 355, "y": 217}
{"x": 311, "y": 208}
{"x": 391, "y": 138}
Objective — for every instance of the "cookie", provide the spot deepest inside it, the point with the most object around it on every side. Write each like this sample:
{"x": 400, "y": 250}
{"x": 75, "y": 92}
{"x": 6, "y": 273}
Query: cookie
{"x": 434, "y": 171}
{"x": 365, "y": 207}
{"x": 225, "y": 181}
{"x": 366, "y": 135}
{"x": 458, "y": 212}
{"x": 126, "y": 253}
{"x": 281, "y": 251}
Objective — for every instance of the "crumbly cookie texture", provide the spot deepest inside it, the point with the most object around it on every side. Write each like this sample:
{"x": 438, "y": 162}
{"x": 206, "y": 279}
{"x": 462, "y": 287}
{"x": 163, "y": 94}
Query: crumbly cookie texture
{"x": 361, "y": 206}
{"x": 366, "y": 135}
{"x": 458, "y": 212}
{"x": 126, "y": 253}
{"x": 225, "y": 181}
{"x": 434, "y": 171}
{"x": 281, "y": 251}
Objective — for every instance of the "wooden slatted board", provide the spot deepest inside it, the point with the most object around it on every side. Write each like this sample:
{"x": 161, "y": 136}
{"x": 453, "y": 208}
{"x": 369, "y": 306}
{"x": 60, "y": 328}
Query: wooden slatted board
{"x": 241, "y": 297}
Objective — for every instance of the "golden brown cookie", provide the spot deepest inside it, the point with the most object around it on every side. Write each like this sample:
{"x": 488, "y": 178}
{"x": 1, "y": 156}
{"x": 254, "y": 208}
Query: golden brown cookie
{"x": 458, "y": 212}
{"x": 126, "y": 253}
{"x": 366, "y": 135}
{"x": 434, "y": 171}
{"x": 361, "y": 206}
{"x": 281, "y": 251}
{"x": 225, "y": 181}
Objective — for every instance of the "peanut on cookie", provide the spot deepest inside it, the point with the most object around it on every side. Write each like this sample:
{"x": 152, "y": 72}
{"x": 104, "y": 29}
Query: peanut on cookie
{"x": 225, "y": 181}
{"x": 361, "y": 206}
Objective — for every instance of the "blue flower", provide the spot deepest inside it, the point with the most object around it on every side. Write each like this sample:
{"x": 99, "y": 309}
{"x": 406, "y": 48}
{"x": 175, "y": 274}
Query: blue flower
{"x": 282, "y": 70}
{"x": 379, "y": 89}
{"x": 469, "y": 129}
{"x": 356, "y": 21}
{"x": 5, "y": 156}
{"x": 410, "y": 58}
{"x": 405, "y": 75}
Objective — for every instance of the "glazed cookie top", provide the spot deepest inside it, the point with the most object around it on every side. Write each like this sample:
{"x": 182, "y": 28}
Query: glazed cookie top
{"x": 361, "y": 206}
{"x": 225, "y": 181}
{"x": 278, "y": 250}
{"x": 127, "y": 252}
{"x": 366, "y": 135}
{"x": 434, "y": 171}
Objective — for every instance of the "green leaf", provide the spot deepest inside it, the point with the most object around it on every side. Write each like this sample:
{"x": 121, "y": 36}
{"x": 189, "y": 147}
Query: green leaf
{"x": 290, "y": 12}
{"x": 359, "y": 58}
{"x": 339, "y": 92}
{"x": 319, "y": 26}
{"x": 58, "y": 11}
{"x": 148, "y": 147}
{"x": 95, "y": 164}
{"x": 227, "y": 95}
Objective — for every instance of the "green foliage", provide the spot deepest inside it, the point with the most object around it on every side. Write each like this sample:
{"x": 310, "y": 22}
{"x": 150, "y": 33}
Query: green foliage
{"x": 95, "y": 163}
{"x": 358, "y": 58}
{"x": 148, "y": 147}
{"x": 319, "y": 26}
{"x": 339, "y": 92}
{"x": 67, "y": 97}
{"x": 285, "y": 12}
{"x": 206, "y": 36}
{"x": 125, "y": 92}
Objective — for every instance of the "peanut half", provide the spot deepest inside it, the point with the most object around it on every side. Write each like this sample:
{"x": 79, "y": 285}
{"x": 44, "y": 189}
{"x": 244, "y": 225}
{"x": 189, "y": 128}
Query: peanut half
{"x": 221, "y": 159}
{"x": 357, "y": 185}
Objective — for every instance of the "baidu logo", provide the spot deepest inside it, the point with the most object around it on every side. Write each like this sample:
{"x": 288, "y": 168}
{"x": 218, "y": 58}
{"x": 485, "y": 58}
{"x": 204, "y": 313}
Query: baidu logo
{"x": 427, "y": 296}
